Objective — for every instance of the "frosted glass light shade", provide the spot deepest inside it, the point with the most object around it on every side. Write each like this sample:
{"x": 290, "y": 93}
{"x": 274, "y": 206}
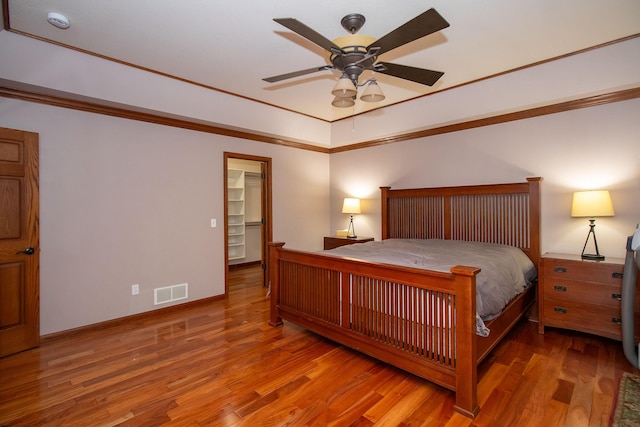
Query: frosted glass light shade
{"x": 592, "y": 204}
{"x": 351, "y": 206}
{"x": 372, "y": 93}
{"x": 341, "y": 102}
{"x": 344, "y": 88}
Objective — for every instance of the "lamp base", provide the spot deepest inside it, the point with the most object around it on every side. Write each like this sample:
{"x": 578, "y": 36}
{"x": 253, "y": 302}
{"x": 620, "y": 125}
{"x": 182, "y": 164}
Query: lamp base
{"x": 592, "y": 231}
{"x": 351, "y": 231}
{"x": 593, "y": 257}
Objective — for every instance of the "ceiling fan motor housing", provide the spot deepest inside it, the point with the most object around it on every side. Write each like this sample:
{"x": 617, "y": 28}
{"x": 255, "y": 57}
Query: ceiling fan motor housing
{"x": 353, "y": 61}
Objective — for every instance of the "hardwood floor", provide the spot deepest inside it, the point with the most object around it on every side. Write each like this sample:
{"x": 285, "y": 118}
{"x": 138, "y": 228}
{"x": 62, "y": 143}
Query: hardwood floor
{"x": 221, "y": 364}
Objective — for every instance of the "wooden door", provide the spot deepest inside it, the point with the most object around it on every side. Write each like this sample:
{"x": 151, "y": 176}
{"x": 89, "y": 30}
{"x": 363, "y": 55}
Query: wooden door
{"x": 19, "y": 242}
{"x": 265, "y": 233}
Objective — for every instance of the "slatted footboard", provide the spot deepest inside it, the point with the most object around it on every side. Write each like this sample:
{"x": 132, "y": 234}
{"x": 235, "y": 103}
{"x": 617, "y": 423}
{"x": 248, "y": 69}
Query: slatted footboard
{"x": 417, "y": 320}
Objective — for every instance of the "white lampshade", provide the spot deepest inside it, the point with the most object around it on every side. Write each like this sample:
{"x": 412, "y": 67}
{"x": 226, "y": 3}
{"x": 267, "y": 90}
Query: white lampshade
{"x": 592, "y": 204}
{"x": 344, "y": 88}
{"x": 341, "y": 102}
{"x": 351, "y": 206}
{"x": 372, "y": 92}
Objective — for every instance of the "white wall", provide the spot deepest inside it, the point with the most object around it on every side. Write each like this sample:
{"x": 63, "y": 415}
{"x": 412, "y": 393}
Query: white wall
{"x": 592, "y": 148}
{"x": 124, "y": 202}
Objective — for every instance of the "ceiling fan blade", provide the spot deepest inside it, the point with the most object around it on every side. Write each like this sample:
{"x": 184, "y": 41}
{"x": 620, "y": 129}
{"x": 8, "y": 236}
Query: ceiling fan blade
{"x": 422, "y": 25}
{"x": 418, "y": 75}
{"x": 309, "y": 34}
{"x": 296, "y": 74}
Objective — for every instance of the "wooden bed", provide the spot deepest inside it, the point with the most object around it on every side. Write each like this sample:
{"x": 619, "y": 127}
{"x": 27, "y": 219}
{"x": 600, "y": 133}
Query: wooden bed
{"x": 343, "y": 299}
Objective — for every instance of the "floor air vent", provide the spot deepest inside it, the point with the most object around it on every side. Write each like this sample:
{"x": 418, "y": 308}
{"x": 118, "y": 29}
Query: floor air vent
{"x": 170, "y": 293}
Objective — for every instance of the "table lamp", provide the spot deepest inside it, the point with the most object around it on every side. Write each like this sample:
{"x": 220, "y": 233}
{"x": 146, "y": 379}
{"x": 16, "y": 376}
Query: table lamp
{"x": 351, "y": 206}
{"x": 592, "y": 204}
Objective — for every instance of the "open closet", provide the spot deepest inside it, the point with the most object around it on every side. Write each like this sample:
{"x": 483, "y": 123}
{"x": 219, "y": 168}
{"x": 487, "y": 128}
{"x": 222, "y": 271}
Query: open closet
{"x": 248, "y": 209}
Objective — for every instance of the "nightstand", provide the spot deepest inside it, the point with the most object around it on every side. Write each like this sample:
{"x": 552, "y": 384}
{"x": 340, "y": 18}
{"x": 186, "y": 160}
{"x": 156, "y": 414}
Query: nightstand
{"x": 581, "y": 295}
{"x": 334, "y": 241}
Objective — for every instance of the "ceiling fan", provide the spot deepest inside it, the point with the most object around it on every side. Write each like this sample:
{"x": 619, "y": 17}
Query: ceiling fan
{"x": 352, "y": 54}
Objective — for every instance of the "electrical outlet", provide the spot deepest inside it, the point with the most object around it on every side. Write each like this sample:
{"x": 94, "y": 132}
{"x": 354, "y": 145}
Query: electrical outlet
{"x": 135, "y": 289}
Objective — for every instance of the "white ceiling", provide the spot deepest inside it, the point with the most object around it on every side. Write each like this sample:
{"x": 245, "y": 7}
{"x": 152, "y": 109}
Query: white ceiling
{"x": 231, "y": 45}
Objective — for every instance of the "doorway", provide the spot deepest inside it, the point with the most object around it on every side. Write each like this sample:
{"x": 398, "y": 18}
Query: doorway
{"x": 247, "y": 212}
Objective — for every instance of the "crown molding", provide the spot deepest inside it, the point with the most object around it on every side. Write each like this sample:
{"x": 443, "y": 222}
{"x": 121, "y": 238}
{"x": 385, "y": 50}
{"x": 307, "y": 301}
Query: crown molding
{"x": 61, "y": 99}
{"x": 591, "y": 101}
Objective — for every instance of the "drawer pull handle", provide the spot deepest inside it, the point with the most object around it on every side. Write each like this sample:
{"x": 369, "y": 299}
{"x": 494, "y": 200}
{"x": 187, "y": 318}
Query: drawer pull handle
{"x": 617, "y": 296}
{"x": 560, "y": 310}
{"x": 560, "y": 288}
{"x": 617, "y": 275}
{"x": 616, "y": 320}
{"x": 559, "y": 269}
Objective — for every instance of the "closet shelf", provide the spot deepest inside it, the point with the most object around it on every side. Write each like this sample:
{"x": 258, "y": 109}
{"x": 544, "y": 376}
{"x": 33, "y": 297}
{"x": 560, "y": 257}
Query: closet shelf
{"x": 235, "y": 213}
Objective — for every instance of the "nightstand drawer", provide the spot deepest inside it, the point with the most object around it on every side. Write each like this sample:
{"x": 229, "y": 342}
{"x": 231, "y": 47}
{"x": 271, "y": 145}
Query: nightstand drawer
{"x": 600, "y": 294}
{"x": 589, "y": 318}
{"x": 583, "y": 271}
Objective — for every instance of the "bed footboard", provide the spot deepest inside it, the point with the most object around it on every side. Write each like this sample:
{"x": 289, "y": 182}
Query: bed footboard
{"x": 417, "y": 320}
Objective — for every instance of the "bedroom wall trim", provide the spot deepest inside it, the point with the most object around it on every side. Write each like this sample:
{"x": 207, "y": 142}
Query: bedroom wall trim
{"x": 62, "y": 99}
{"x": 591, "y": 101}
{"x": 56, "y": 98}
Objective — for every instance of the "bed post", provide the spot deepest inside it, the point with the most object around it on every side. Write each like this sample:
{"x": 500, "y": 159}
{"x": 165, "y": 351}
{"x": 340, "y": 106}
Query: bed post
{"x": 466, "y": 341}
{"x": 274, "y": 281}
{"x": 534, "y": 219}
{"x": 384, "y": 197}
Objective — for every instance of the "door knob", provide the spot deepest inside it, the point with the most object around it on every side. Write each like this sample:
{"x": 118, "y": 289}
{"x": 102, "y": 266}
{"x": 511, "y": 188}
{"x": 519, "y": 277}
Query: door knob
{"x": 27, "y": 251}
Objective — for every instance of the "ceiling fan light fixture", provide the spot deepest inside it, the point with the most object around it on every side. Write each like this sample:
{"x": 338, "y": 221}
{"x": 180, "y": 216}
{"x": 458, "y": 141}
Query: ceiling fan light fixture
{"x": 372, "y": 92}
{"x": 343, "y": 102}
{"x": 344, "y": 88}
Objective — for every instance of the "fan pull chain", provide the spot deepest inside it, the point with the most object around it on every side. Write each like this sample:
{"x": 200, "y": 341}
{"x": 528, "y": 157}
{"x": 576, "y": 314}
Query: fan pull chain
{"x": 353, "y": 119}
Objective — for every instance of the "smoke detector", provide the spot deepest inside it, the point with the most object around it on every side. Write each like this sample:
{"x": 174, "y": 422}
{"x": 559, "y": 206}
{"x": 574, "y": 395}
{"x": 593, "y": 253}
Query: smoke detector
{"x": 58, "y": 20}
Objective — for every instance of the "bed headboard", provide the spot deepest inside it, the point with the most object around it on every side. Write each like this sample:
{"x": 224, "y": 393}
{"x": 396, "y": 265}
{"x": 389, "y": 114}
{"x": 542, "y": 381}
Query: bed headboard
{"x": 499, "y": 213}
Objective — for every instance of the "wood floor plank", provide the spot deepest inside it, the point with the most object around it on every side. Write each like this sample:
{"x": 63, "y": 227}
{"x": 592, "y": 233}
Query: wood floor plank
{"x": 221, "y": 364}
{"x": 533, "y": 412}
{"x": 601, "y": 406}
{"x": 490, "y": 380}
{"x": 405, "y": 407}
{"x": 390, "y": 400}
{"x": 350, "y": 415}
{"x": 339, "y": 387}
{"x": 555, "y": 414}
{"x": 358, "y": 395}
{"x": 579, "y": 410}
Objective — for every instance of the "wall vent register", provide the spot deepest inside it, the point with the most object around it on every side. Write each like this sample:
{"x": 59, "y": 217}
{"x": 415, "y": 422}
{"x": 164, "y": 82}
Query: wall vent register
{"x": 170, "y": 293}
